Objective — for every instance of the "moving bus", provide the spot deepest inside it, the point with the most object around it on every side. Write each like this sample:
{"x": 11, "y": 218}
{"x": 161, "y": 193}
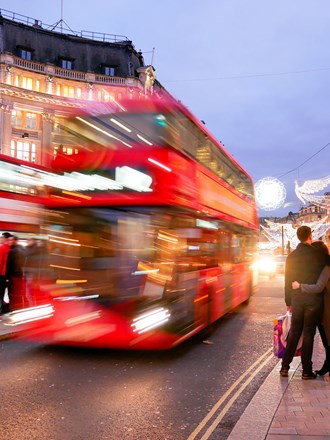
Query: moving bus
{"x": 152, "y": 227}
{"x": 21, "y": 192}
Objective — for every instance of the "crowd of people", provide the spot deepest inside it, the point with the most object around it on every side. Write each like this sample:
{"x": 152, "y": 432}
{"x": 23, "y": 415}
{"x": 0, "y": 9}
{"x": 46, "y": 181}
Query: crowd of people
{"x": 19, "y": 269}
{"x": 307, "y": 296}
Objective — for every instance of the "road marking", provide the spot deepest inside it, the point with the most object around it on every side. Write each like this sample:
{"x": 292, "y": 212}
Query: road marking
{"x": 232, "y": 400}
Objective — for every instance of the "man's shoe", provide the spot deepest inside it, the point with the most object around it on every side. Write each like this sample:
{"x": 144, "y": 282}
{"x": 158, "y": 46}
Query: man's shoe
{"x": 284, "y": 372}
{"x": 309, "y": 376}
{"x": 325, "y": 369}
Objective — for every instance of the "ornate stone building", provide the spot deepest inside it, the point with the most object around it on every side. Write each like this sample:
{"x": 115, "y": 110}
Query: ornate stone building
{"x": 44, "y": 71}
{"x": 314, "y": 213}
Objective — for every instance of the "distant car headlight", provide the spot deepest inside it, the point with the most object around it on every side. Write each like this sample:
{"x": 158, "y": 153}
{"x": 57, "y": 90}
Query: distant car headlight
{"x": 267, "y": 265}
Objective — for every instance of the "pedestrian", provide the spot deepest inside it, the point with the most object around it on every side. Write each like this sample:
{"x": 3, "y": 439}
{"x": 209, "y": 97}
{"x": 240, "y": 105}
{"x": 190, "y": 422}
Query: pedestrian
{"x": 323, "y": 282}
{"x": 32, "y": 268}
{"x": 304, "y": 265}
{"x": 15, "y": 275}
{"x": 4, "y": 250}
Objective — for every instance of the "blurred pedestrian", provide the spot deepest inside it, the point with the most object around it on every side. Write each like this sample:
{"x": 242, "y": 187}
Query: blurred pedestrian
{"x": 32, "y": 269}
{"x": 323, "y": 282}
{"x": 15, "y": 275}
{"x": 304, "y": 265}
{"x": 4, "y": 250}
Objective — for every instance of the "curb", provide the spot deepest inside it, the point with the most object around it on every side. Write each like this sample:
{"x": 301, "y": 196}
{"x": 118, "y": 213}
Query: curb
{"x": 258, "y": 415}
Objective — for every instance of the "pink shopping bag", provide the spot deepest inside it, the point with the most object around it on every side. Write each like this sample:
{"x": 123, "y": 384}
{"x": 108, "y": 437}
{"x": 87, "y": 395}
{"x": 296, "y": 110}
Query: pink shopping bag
{"x": 282, "y": 325}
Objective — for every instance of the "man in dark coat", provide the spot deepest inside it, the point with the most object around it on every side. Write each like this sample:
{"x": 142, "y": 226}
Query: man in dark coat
{"x": 304, "y": 265}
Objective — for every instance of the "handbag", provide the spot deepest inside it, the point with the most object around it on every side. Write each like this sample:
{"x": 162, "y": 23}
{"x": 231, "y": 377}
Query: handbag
{"x": 282, "y": 324}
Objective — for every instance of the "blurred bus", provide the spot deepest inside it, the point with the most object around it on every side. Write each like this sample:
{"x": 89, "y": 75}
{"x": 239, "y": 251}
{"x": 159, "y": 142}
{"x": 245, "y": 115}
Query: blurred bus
{"x": 21, "y": 194}
{"x": 151, "y": 225}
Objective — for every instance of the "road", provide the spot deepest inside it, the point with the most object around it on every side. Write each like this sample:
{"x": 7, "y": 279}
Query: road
{"x": 195, "y": 391}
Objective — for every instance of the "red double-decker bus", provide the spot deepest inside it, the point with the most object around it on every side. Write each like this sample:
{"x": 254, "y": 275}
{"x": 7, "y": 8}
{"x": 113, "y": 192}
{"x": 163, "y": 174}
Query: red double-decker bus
{"x": 21, "y": 194}
{"x": 152, "y": 227}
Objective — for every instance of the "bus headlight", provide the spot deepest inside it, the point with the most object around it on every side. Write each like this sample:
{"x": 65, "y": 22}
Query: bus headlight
{"x": 150, "y": 320}
{"x": 31, "y": 314}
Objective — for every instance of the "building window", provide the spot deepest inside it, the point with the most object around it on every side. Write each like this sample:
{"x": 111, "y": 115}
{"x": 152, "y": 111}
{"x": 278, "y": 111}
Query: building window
{"x": 17, "y": 80}
{"x": 23, "y": 150}
{"x": 109, "y": 71}
{"x": 66, "y": 63}
{"x": 24, "y": 119}
{"x": 31, "y": 120}
{"x": 68, "y": 91}
{"x": 27, "y": 83}
{"x": 26, "y": 54}
{"x": 16, "y": 118}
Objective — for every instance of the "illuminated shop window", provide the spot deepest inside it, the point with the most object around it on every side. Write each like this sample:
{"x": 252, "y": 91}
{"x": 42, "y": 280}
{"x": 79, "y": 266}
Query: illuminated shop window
{"x": 37, "y": 85}
{"x": 23, "y": 150}
{"x": 78, "y": 92}
{"x": 58, "y": 89}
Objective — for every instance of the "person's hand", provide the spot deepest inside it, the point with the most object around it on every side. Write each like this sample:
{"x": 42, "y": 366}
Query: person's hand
{"x": 295, "y": 285}
{"x": 288, "y": 308}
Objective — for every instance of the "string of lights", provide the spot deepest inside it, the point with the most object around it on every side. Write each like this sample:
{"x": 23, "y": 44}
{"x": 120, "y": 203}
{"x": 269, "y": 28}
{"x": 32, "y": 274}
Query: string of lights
{"x": 252, "y": 75}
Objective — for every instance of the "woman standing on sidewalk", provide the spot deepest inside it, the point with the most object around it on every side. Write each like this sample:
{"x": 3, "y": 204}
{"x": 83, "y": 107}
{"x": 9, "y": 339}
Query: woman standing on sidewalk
{"x": 324, "y": 326}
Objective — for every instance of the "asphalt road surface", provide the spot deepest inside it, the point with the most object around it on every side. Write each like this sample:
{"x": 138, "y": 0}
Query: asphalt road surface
{"x": 195, "y": 391}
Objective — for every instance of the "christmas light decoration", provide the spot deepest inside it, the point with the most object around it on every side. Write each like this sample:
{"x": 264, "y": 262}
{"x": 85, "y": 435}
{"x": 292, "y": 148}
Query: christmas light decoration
{"x": 270, "y": 193}
{"x": 281, "y": 233}
{"x": 306, "y": 192}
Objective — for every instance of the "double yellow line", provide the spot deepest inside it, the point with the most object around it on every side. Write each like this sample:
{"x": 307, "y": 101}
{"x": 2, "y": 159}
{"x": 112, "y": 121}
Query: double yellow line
{"x": 256, "y": 367}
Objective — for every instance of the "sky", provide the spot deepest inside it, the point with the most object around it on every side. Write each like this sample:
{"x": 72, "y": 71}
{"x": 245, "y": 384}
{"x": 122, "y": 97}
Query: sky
{"x": 256, "y": 72}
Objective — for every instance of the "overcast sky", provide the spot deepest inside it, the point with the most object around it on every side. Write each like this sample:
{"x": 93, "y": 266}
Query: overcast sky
{"x": 257, "y": 72}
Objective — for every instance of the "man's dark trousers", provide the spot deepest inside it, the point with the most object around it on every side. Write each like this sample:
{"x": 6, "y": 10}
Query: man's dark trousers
{"x": 306, "y": 313}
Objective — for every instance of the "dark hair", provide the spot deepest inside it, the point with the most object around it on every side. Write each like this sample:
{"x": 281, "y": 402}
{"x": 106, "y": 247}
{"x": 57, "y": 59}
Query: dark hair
{"x": 6, "y": 234}
{"x": 303, "y": 232}
{"x": 321, "y": 245}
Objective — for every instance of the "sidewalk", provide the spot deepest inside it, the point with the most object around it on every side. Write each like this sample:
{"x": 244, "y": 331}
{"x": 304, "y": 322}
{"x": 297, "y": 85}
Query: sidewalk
{"x": 288, "y": 408}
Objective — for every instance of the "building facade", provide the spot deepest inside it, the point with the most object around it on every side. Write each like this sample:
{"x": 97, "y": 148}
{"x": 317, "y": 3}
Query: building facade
{"x": 316, "y": 213}
{"x": 45, "y": 72}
